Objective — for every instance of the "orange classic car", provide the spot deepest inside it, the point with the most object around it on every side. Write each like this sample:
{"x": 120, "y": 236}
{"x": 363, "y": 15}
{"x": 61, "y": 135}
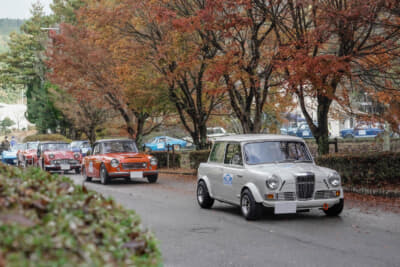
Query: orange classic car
{"x": 118, "y": 158}
{"x": 28, "y": 155}
{"x": 57, "y": 156}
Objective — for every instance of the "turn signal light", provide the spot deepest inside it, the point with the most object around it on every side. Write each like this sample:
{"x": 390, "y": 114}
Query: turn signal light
{"x": 337, "y": 193}
{"x": 270, "y": 196}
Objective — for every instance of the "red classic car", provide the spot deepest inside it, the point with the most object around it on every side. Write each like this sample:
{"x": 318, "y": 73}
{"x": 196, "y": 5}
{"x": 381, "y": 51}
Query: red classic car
{"x": 118, "y": 158}
{"x": 57, "y": 156}
{"x": 28, "y": 155}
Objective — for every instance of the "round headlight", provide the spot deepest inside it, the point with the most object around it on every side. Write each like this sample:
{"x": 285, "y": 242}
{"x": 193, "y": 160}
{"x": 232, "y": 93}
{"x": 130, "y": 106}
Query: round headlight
{"x": 334, "y": 179}
{"x": 273, "y": 182}
{"x": 76, "y": 155}
{"x": 114, "y": 163}
{"x": 153, "y": 161}
{"x": 51, "y": 156}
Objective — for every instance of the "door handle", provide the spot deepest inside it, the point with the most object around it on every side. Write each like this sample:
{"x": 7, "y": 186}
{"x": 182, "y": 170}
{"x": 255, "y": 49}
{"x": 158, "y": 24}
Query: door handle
{"x": 239, "y": 176}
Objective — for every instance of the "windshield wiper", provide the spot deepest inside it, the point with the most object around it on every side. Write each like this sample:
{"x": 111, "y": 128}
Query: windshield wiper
{"x": 286, "y": 160}
{"x": 303, "y": 160}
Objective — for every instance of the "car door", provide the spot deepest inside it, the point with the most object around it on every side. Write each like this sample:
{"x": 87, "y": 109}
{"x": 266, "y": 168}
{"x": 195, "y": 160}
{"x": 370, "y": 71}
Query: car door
{"x": 91, "y": 161}
{"x": 215, "y": 167}
{"x": 233, "y": 173}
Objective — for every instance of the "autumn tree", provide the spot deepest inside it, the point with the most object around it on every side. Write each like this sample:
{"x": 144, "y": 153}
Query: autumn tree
{"x": 151, "y": 32}
{"x": 83, "y": 62}
{"x": 330, "y": 48}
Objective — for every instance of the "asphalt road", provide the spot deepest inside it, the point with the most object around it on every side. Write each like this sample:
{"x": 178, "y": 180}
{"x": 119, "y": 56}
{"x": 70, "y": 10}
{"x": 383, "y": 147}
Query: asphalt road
{"x": 190, "y": 236}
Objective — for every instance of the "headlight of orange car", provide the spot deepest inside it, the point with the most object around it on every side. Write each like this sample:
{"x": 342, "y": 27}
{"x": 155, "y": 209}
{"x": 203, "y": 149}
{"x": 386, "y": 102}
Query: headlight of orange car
{"x": 153, "y": 161}
{"x": 114, "y": 163}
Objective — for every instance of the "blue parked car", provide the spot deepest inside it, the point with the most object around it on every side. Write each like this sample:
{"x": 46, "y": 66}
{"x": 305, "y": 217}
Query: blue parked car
{"x": 10, "y": 156}
{"x": 82, "y": 147}
{"x": 304, "y": 131}
{"x": 361, "y": 131}
{"x": 160, "y": 143}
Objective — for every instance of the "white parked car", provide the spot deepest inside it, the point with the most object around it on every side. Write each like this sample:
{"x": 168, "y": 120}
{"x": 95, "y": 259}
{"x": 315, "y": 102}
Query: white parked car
{"x": 273, "y": 171}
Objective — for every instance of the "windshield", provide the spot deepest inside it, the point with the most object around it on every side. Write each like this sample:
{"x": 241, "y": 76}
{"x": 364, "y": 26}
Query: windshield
{"x": 275, "y": 151}
{"x": 119, "y": 146}
{"x": 32, "y": 145}
{"x": 55, "y": 146}
{"x": 76, "y": 144}
{"x": 17, "y": 147}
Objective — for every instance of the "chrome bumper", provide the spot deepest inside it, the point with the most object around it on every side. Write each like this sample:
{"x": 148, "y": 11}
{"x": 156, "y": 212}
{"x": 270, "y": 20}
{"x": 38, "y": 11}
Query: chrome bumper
{"x": 119, "y": 174}
{"x": 305, "y": 204}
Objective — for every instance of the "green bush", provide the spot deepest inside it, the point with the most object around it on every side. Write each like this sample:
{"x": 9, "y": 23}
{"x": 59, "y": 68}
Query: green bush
{"x": 162, "y": 156}
{"x": 46, "y": 137}
{"x": 374, "y": 169}
{"x": 46, "y": 220}
{"x": 197, "y": 157}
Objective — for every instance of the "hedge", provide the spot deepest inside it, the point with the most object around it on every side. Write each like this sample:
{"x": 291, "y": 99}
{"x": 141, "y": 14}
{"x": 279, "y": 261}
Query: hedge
{"x": 46, "y": 220}
{"x": 46, "y": 137}
{"x": 162, "y": 156}
{"x": 197, "y": 157}
{"x": 375, "y": 169}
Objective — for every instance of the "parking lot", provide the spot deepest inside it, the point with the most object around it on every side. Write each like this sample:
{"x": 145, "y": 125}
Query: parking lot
{"x": 190, "y": 236}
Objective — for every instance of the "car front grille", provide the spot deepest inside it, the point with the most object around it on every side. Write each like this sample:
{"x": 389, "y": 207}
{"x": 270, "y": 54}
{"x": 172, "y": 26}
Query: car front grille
{"x": 305, "y": 186}
{"x": 324, "y": 194}
{"x": 134, "y": 165}
{"x": 64, "y": 161}
{"x": 289, "y": 196}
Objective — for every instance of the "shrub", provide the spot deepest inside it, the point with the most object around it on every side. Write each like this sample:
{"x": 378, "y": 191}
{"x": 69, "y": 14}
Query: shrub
{"x": 46, "y": 137}
{"x": 197, "y": 157}
{"x": 374, "y": 169}
{"x": 46, "y": 220}
{"x": 162, "y": 156}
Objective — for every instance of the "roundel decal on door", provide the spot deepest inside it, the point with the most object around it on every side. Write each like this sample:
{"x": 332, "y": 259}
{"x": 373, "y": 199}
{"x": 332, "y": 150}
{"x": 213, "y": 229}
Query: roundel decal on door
{"x": 227, "y": 179}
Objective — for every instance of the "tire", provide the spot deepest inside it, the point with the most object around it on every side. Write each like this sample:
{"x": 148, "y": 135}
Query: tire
{"x": 87, "y": 178}
{"x": 152, "y": 178}
{"x": 104, "y": 179}
{"x": 251, "y": 210}
{"x": 203, "y": 197}
{"x": 78, "y": 171}
{"x": 335, "y": 210}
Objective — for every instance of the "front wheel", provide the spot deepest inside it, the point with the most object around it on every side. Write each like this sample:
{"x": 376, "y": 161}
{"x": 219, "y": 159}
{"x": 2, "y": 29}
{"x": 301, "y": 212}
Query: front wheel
{"x": 104, "y": 175}
{"x": 251, "y": 210}
{"x": 152, "y": 178}
{"x": 335, "y": 210}
{"x": 203, "y": 197}
{"x": 78, "y": 171}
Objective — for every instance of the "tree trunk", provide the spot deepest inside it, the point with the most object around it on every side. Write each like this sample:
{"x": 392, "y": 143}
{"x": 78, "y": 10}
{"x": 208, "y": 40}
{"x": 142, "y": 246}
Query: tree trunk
{"x": 322, "y": 133}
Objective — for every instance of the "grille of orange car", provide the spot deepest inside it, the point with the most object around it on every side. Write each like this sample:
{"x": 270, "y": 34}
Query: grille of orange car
{"x": 134, "y": 165}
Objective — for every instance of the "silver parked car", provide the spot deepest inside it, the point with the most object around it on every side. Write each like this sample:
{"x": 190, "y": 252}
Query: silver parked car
{"x": 274, "y": 171}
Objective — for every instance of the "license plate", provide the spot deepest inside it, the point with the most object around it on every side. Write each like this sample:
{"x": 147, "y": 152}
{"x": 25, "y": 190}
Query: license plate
{"x": 65, "y": 166}
{"x": 362, "y": 132}
{"x": 15, "y": 161}
{"x": 136, "y": 174}
{"x": 285, "y": 207}
{"x": 306, "y": 133}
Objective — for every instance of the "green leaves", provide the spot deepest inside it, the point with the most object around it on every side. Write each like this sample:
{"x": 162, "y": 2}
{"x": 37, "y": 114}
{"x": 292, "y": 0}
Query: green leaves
{"x": 46, "y": 220}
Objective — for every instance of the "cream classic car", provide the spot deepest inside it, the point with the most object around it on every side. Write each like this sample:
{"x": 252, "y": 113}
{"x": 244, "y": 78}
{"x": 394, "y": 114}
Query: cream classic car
{"x": 273, "y": 171}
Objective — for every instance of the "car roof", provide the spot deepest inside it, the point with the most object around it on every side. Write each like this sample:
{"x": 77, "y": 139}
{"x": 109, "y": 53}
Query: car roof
{"x": 113, "y": 140}
{"x": 53, "y": 142}
{"x": 257, "y": 137}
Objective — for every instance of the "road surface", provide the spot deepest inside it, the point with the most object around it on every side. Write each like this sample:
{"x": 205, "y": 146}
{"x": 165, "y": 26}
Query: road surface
{"x": 190, "y": 236}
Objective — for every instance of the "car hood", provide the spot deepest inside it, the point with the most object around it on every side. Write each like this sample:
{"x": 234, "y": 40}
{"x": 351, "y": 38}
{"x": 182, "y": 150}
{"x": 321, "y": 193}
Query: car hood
{"x": 122, "y": 156}
{"x": 60, "y": 154}
{"x": 288, "y": 171}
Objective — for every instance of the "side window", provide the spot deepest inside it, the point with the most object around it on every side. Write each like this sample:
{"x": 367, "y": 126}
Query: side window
{"x": 233, "y": 154}
{"x": 217, "y": 153}
{"x": 96, "y": 149}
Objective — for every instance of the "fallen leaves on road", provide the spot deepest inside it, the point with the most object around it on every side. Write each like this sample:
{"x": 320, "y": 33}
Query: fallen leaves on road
{"x": 369, "y": 203}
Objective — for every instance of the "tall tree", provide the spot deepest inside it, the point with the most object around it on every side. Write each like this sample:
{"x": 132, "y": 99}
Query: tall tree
{"x": 149, "y": 33}
{"x": 329, "y": 48}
